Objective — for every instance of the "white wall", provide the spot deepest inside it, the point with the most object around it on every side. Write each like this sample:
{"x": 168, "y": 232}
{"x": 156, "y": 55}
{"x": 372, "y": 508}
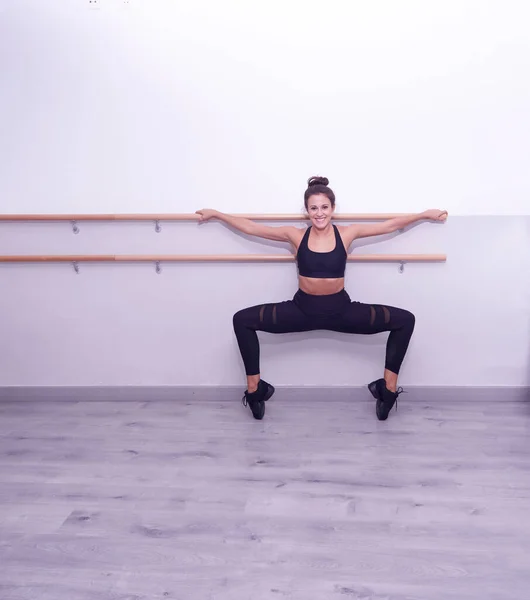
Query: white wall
{"x": 126, "y": 325}
{"x": 168, "y": 106}
{"x": 164, "y": 105}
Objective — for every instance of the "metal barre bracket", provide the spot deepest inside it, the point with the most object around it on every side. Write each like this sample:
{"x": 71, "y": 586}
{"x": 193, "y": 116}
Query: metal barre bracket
{"x": 76, "y": 267}
{"x": 75, "y": 228}
{"x": 401, "y": 267}
{"x": 157, "y": 267}
{"x": 158, "y": 229}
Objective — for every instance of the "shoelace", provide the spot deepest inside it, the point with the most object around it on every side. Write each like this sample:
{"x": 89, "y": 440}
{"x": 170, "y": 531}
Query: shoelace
{"x": 400, "y": 390}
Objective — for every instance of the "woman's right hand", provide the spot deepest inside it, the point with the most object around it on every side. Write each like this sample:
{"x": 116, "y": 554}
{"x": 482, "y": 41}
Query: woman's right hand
{"x": 205, "y": 214}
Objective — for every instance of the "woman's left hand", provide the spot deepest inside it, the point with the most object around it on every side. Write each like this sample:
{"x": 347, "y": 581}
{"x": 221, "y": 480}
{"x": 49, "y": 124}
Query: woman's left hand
{"x": 435, "y": 215}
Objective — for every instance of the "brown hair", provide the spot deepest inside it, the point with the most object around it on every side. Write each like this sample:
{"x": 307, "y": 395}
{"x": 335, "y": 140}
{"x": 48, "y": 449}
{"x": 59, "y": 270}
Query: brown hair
{"x": 318, "y": 185}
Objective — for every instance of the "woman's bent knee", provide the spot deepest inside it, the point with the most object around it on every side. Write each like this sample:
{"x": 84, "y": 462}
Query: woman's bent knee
{"x": 243, "y": 318}
{"x": 238, "y": 318}
{"x": 403, "y": 319}
{"x": 409, "y": 319}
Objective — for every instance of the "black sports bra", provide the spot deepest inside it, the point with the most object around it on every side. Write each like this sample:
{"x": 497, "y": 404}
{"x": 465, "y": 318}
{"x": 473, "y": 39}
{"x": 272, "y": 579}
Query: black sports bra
{"x": 322, "y": 265}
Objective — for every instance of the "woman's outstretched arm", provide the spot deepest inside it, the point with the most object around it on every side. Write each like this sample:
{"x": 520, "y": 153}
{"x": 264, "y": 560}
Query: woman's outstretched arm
{"x": 280, "y": 234}
{"x": 361, "y": 230}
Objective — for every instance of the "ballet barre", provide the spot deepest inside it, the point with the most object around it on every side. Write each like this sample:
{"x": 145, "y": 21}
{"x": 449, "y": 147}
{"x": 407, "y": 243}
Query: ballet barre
{"x": 189, "y": 217}
{"x": 157, "y": 259}
{"x": 157, "y": 218}
{"x": 59, "y": 258}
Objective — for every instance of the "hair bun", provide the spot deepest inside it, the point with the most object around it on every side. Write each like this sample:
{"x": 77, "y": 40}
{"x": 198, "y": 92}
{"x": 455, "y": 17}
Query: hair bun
{"x": 317, "y": 181}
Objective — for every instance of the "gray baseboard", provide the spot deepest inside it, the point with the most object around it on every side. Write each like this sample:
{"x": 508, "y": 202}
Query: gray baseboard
{"x": 229, "y": 393}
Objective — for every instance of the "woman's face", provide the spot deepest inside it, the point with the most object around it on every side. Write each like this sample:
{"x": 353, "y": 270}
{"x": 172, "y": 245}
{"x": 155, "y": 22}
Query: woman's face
{"x": 320, "y": 210}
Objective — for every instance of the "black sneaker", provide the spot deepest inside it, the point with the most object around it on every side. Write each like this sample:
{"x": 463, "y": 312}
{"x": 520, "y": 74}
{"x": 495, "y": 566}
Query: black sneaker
{"x": 256, "y": 400}
{"x": 385, "y": 399}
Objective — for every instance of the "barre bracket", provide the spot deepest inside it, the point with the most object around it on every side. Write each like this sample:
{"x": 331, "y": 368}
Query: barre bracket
{"x": 158, "y": 268}
{"x": 75, "y": 228}
{"x": 76, "y": 267}
{"x": 158, "y": 229}
{"x": 401, "y": 267}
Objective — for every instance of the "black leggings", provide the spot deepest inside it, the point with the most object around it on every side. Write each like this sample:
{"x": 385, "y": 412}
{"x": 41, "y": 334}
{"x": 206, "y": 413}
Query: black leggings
{"x": 334, "y": 312}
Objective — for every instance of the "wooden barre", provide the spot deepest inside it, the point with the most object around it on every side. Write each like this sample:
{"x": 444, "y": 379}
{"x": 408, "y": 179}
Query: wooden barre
{"x": 191, "y": 217}
{"x": 402, "y": 258}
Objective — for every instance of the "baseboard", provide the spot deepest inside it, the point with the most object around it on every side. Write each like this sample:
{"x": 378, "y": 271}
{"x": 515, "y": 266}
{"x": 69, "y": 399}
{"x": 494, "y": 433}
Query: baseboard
{"x": 229, "y": 393}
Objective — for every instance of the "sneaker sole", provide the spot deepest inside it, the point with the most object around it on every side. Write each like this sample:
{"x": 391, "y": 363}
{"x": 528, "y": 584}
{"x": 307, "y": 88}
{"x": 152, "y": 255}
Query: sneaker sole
{"x": 261, "y": 404}
{"x": 259, "y": 416}
{"x": 373, "y": 390}
{"x": 270, "y": 392}
{"x": 379, "y": 404}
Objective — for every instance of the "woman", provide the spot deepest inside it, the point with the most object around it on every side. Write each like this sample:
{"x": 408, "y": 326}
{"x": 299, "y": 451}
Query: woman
{"x": 321, "y": 301}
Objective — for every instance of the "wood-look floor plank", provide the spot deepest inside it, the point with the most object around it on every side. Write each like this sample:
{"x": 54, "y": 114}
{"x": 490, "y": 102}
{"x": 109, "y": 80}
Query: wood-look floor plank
{"x": 191, "y": 500}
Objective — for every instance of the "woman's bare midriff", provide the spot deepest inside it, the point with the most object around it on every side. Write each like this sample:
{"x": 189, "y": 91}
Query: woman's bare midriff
{"x": 320, "y": 287}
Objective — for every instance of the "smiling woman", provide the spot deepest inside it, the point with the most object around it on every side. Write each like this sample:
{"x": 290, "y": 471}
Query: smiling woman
{"x": 321, "y": 301}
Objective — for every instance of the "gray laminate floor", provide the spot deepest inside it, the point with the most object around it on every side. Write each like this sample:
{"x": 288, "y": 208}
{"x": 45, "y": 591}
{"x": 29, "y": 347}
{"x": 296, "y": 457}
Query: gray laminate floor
{"x": 130, "y": 501}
